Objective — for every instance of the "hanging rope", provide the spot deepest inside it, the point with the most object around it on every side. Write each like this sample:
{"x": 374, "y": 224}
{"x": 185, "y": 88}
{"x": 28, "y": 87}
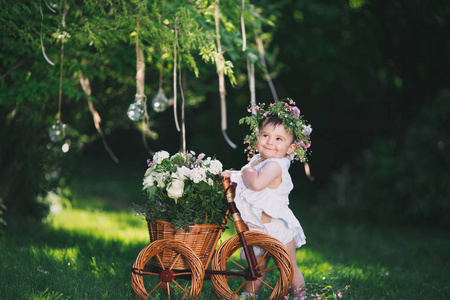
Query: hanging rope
{"x": 183, "y": 127}
{"x": 84, "y": 81}
{"x": 251, "y": 81}
{"x": 266, "y": 72}
{"x": 244, "y": 38}
{"x": 140, "y": 84}
{"x": 175, "y": 116}
{"x": 140, "y": 64}
{"x": 63, "y": 23}
{"x": 220, "y": 72}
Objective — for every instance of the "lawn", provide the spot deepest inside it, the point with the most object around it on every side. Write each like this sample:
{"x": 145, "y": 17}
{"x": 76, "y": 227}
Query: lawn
{"x": 86, "y": 249}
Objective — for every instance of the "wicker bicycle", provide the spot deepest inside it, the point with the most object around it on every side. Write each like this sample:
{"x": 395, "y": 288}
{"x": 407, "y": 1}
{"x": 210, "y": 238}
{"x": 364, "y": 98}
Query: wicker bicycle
{"x": 176, "y": 262}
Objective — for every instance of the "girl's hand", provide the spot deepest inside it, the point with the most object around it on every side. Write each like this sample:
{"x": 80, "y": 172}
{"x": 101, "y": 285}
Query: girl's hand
{"x": 226, "y": 174}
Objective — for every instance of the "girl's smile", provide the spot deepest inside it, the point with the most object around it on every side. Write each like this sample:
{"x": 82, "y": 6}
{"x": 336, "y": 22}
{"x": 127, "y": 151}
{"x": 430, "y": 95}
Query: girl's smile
{"x": 274, "y": 142}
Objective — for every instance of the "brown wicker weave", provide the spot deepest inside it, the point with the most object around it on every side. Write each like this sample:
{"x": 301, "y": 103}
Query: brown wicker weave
{"x": 153, "y": 280}
{"x": 201, "y": 238}
{"x": 254, "y": 238}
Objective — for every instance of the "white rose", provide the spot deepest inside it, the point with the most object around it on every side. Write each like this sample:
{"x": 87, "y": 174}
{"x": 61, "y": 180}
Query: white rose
{"x": 160, "y": 156}
{"x": 160, "y": 178}
{"x": 183, "y": 173}
{"x": 215, "y": 167}
{"x": 148, "y": 182}
{"x": 210, "y": 182}
{"x": 175, "y": 189}
{"x": 198, "y": 174}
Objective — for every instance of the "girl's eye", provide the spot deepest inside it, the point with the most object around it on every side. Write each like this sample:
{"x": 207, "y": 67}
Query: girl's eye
{"x": 279, "y": 139}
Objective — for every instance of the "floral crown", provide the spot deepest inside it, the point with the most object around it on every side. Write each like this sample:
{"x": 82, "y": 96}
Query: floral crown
{"x": 292, "y": 120}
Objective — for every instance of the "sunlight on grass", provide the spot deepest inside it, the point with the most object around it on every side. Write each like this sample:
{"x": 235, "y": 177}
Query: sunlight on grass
{"x": 60, "y": 255}
{"x": 119, "y": 226}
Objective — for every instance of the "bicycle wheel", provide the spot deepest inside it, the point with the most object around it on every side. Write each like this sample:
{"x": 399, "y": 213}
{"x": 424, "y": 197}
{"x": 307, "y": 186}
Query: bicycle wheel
{"x": 147, "y": 279}
{"x": 276, "y": 276}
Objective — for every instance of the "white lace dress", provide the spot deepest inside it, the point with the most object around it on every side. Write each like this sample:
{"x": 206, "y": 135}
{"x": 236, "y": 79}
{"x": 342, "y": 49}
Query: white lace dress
{"x": 284, "y": 225}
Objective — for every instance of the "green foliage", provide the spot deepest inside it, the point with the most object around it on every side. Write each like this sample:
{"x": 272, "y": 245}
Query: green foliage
{"x": 99, "y": 39}
{"x": 407, "y": 183}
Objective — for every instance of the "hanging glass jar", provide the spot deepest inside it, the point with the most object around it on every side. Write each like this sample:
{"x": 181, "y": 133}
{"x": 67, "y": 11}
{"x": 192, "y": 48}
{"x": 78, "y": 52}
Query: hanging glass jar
{"x": 59, "y": 131}
{"x": 136, "y": 109}
{"x": 160, "y": 102}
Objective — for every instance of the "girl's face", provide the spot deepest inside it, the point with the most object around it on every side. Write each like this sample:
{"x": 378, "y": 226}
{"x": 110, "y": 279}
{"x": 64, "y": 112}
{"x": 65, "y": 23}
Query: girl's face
{"x": 274, "y": 142}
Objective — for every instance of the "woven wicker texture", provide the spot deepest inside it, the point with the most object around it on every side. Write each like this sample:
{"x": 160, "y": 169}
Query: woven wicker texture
{"x": 283, "y": 269}
{"x": 201, "y": 238}
{"x": 153, "y": 281}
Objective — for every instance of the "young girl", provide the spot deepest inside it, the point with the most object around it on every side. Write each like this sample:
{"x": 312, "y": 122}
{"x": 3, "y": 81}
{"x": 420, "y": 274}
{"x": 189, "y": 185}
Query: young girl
{"x": 264, "y": 184}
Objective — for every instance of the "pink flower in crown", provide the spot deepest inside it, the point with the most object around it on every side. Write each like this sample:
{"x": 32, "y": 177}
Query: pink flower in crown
{"x": 255, "y": 109}
{"x": 291, "y": 102}
{"x": 266, "y": 113}
{"x": 296, "y": 112}
{"x": 201, "y": 156}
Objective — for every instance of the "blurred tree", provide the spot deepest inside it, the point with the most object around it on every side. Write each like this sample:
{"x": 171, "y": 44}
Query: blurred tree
{"x": 49, "y": 47}
{"x": 361, "y": 69}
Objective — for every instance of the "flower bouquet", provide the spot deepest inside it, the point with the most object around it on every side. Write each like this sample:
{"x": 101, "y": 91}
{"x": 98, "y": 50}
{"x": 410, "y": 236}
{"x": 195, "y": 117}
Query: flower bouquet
{"x": 183, "y": 189}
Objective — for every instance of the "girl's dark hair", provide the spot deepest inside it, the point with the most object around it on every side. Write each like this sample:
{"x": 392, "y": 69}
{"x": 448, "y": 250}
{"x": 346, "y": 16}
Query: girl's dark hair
{"x": 274, "y": 121}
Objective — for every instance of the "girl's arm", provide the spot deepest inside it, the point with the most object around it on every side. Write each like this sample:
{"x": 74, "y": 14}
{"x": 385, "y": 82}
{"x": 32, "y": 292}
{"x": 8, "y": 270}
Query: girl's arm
{"x": 258, "y": 181}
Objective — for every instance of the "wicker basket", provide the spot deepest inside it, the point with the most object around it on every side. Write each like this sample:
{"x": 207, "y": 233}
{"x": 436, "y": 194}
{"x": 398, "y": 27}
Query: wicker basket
{"x": 201, "y": 238}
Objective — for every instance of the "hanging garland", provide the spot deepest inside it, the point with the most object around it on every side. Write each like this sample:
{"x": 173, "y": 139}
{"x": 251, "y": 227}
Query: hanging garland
{"x": 220, "y": 73}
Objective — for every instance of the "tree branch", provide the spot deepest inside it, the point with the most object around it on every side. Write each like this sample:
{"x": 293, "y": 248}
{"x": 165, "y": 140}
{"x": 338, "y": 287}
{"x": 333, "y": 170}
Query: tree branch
{"x": 14, "y": 67}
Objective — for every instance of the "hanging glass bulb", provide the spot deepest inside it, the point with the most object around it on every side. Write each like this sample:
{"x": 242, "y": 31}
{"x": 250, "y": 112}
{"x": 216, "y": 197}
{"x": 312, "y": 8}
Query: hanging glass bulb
{"x": 160, "y": 102}
{"x": 56, "y": 132}
{"x": 136, "y": 110}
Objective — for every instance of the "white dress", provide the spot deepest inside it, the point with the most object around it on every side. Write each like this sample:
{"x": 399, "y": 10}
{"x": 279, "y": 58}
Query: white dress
{"x": 284, "y": 225}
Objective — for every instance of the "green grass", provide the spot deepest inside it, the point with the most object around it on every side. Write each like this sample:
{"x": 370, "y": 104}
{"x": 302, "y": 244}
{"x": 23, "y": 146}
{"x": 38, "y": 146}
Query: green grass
{"x": 86, "y": 251}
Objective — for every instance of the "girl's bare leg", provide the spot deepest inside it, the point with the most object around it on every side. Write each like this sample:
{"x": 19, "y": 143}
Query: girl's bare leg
{"x": 298, "y": 282}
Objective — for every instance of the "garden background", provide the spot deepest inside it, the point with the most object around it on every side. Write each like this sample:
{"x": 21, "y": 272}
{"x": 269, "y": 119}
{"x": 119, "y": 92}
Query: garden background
{"x": 371, "y": 77}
